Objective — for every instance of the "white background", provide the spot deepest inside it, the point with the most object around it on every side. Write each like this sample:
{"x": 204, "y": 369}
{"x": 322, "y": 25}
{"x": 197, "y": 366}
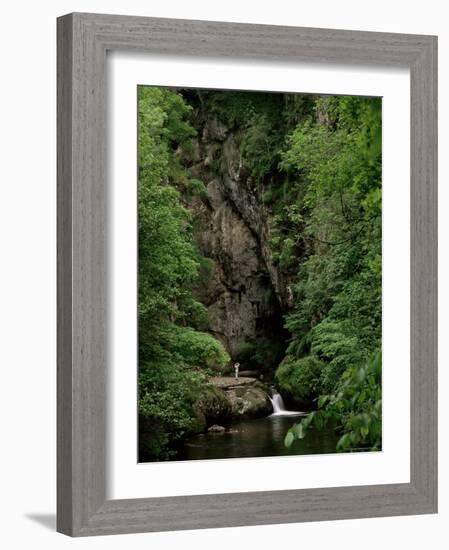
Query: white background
{"x": 27, "y": 289}
{"x": 131, "y": 480}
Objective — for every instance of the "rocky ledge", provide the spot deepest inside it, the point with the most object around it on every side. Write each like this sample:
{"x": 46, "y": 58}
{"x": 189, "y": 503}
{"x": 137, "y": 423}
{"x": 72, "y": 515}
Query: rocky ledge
{"x": 228, "y": 382}
{"x": 226, "y": 400}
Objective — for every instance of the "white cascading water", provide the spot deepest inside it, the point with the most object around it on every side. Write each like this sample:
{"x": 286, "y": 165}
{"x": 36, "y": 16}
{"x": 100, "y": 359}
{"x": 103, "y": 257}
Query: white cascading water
{"x": 279, "y": 407}
{"x": 278, "y": 403}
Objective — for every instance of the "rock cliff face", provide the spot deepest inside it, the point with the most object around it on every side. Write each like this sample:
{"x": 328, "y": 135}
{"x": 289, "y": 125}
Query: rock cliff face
{"x": 244, "y": 292}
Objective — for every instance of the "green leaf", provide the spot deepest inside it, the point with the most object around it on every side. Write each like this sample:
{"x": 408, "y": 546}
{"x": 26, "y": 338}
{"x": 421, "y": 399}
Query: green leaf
{"x": 289, "y": 438}
{"x": 343, "y": 442}
{"x": 307, "y": 420}
{"x": 299, "y": 431}
{"x": 322, "y": 400}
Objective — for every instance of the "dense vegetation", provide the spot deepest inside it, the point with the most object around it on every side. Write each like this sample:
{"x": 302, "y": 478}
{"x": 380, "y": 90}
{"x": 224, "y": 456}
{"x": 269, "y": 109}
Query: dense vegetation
{"x": 174, "y": 354}
{"x": 315, "y": 163}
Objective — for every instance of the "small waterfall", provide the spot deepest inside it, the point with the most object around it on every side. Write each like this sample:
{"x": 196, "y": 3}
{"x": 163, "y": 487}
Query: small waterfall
{"x": 278, "y": 403}
{"x": 279, "y": 407}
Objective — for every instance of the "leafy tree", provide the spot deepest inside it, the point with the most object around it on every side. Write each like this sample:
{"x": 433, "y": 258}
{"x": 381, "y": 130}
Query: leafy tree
{"x": 174, "y": 357}
{"x": 298, "y": 380}
{"x": 355, "y": 406}
{"x": 333, "y": 166}
{"x": 314, "y": 165}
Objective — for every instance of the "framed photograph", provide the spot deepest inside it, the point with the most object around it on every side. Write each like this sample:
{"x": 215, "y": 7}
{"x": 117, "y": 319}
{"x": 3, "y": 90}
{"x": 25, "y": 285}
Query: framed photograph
{"x": 247, "y": 274}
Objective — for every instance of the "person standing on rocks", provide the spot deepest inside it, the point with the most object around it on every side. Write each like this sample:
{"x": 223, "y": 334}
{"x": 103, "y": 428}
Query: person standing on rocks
{"x": 236, "y": 369}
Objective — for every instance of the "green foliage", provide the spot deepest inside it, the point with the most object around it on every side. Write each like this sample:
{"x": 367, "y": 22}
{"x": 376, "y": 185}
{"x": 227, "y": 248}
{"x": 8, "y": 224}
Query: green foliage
{"x": 314, "y": 165}
{"x": 199, "y": 349}
{"x": 196, "y": 187}
{"x": 298, "y": 380}
{"x": 174, "y": 358}
{"x": 171, "y": 392}
{"x": 333, "y": 215}
{"x": 262, "y": 354}
{"x": 168, "y": 259}
{"x": 337, "y": 347}
{"x": 316, "y": 162}
{"x": 268, "y": 353}
{"x": 244, "y": 351}
{"x": 356, "y": 405}
{"x": 167, "y": 395}
{"x": 259, "y": 119}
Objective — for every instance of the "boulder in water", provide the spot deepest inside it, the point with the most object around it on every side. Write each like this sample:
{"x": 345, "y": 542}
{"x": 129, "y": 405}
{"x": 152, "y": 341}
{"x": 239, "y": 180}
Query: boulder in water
{"x": 250, "y": 401}
{"x": 214, "y": 406}
{"x": 237, "y": 398}
{"x": 216, "y": 429}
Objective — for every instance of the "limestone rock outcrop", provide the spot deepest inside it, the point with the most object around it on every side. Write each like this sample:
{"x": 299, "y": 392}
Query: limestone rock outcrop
{"x": 243, "y": 291}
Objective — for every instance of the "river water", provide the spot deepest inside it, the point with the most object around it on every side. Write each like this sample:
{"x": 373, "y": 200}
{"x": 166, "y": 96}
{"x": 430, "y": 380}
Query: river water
{"x": 256, "y": 438}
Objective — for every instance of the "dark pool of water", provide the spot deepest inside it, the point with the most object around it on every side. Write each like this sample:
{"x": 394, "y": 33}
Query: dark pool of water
{"x": 261, "y": 437}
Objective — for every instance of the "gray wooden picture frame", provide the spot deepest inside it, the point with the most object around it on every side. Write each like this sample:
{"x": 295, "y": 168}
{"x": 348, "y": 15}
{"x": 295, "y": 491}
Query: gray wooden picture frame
{"x": 83, "y": 40}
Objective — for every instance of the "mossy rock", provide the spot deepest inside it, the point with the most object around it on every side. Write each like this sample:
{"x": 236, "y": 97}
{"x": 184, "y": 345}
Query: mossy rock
{"x": 214, "y": 406}
{"x": 298, "y": 380}
{"x": 249, "y": 401}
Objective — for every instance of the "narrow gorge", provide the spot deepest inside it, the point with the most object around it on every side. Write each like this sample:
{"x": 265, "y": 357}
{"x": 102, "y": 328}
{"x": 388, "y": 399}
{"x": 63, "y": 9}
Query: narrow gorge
{"x": 259, "y": 273}
{"x": 245, "y": 293}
